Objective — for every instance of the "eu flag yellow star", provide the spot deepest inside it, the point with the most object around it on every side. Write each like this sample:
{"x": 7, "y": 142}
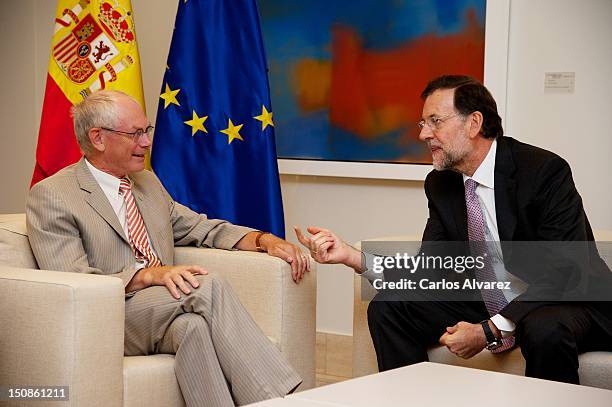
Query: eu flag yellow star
{"x": 232, "y": 131}
{"x": 197, "y": 123}
{"x": 169, "y": 96}
{"x": 265, "y": 118}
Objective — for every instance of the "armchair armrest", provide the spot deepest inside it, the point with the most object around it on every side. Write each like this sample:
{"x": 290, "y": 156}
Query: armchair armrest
{"x": 63, "y": 329}
{"x": 285, "y": 311}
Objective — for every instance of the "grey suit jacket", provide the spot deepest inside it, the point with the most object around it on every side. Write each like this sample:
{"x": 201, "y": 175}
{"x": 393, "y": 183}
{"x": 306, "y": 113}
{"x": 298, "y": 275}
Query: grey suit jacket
{"x": 72, "y": 226}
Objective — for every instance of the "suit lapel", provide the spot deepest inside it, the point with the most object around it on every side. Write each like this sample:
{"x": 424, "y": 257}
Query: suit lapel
{"x": 459, "y": 208}
{"x": 96, "y": 199}
{"x": 505, "y": 194}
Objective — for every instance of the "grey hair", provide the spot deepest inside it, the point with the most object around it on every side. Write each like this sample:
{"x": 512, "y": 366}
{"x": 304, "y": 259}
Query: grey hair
{"x": 97, "y": 110}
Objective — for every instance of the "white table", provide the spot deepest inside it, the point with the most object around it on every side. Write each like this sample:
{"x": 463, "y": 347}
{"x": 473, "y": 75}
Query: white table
{"x": 433, "y": 384}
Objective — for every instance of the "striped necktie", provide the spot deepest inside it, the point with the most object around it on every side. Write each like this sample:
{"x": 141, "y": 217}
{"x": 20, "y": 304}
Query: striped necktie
{"x": 139, "y": 240}
{"x": 494, "y": 299}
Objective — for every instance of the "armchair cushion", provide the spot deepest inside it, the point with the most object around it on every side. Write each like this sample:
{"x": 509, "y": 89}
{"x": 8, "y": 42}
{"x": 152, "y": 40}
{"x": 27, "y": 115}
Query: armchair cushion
{"x": 14, "y": 245}
{"x": 150, "y": 381}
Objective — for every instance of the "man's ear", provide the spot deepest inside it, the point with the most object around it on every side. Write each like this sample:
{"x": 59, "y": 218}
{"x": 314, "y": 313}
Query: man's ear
{"x": 476, "y": 120}
{"x": 95, "y": 137}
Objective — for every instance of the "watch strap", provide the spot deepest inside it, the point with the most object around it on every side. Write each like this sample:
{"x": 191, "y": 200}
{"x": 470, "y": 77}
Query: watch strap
{"x": 258, "y": 241}
{"x": 492, "y": 341}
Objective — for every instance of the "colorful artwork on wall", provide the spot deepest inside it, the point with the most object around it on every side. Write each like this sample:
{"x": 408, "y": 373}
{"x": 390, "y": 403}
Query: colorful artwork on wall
{"x": 346, "y": 75}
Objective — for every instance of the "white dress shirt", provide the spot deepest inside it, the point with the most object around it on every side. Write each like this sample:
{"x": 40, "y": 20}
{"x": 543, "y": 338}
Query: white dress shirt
{"x": 110, "y": 186}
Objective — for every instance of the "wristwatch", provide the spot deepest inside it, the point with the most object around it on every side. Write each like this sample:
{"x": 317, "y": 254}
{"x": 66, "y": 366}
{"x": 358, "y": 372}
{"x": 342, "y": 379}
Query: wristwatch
{"x": 492, "y": 341}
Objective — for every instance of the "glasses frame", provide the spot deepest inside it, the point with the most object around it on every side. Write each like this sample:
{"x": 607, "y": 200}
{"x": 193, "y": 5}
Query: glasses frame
{"x": 435, "y": 123}
{"x": 134, "y": 135}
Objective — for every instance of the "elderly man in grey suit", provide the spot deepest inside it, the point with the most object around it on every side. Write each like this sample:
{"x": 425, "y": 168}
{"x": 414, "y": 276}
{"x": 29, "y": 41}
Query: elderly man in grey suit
{"x": 107, "y": 215}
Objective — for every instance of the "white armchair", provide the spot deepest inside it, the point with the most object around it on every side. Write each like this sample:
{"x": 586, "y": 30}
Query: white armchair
{"x": 66, "y": 329}
{"x": 595, "y": 367}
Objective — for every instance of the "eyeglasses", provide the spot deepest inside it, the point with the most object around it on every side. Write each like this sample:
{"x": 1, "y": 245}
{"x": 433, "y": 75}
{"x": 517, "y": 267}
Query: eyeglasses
{"x": 134, "y": 135}
{"x": 433, "y": 122}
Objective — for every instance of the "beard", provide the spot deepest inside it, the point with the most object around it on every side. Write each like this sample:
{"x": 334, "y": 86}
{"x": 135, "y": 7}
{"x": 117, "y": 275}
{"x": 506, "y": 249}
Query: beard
{"x": 452, "y": 155}
{"x": 450, "y": 160}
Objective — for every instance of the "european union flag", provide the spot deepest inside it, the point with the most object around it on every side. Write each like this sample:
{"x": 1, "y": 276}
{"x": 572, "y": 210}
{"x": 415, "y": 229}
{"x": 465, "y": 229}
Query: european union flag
{"x": 214, "y": 147}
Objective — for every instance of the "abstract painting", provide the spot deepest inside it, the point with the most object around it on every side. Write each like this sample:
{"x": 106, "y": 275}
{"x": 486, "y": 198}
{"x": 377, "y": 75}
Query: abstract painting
{"x": 346, "y": 75}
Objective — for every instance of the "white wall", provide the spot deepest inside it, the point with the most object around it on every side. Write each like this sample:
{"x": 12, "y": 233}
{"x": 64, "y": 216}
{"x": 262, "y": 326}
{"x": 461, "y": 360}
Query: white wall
{"x": 355, "y": 209}
{"x": 18, "y": 115}
{"x": 545, "y": 35}
{"x": 562, "y": 36}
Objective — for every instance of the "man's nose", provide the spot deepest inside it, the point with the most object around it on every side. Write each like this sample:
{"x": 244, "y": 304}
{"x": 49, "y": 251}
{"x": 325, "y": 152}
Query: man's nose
{"x": 145, "y": 140}
{"x": 425, "y": 134}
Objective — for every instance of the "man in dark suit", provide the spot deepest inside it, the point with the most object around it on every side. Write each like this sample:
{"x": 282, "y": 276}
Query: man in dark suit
{"x": 494, "y": 189}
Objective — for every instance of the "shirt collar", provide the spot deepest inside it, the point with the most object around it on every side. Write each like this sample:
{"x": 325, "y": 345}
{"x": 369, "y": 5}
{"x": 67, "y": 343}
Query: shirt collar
{"x": 485, "y": 173}
{"x": 109, "y": 183}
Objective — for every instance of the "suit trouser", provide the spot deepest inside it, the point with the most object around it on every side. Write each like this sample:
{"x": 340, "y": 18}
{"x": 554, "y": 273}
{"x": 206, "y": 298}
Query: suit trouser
{"x": 550, "y": 337}
{"x": 222, "y": 357}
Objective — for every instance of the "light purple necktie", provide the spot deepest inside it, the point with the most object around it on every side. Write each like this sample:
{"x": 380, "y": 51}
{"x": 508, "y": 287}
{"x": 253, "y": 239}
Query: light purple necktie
{"x": 494, "y": 299}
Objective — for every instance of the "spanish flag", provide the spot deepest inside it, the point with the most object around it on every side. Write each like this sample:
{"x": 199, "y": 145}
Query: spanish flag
{"x": 93, "y": 47}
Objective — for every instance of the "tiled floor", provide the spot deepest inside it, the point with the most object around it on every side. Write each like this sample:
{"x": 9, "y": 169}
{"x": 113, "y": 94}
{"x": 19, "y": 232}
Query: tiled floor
{"x": 334, "y": 358}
